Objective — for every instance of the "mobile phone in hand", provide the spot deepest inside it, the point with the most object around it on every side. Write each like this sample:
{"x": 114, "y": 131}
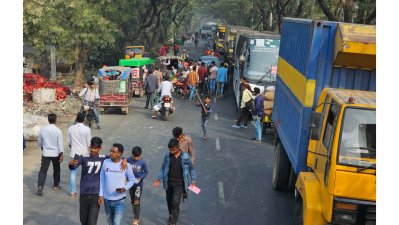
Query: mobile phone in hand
{"x": 76, "y": 157}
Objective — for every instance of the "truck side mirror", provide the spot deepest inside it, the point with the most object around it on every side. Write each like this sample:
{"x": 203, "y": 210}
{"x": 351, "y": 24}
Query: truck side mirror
{"x": 315, "y": 127}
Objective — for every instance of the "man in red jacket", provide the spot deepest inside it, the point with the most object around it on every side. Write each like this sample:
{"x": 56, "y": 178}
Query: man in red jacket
{"x": 202, "y": 72}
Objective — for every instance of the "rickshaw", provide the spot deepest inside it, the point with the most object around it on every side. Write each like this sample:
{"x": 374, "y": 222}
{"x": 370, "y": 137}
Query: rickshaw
{"x": 167, "y": 63}
{"x": 114, "y": 88}
{"x": 137, "y": 71}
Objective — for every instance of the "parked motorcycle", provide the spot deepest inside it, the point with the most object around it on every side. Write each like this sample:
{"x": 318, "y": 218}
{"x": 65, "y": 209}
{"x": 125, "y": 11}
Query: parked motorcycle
{"x": 166, "y": 109}
{"x": 88, "y": 111}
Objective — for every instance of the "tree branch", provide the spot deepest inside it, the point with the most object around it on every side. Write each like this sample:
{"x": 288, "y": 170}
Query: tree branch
{"x": 370, "y": 17}
{"x": 326, "y": 11}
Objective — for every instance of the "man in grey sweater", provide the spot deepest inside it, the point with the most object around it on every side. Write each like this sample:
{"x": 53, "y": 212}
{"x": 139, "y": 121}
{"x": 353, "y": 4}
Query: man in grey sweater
{"x": 150, "y": 86}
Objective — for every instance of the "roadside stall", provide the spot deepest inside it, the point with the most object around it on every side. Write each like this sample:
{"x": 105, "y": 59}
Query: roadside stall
{"x": 137, "y": 66}
{"x": 115, "y": 89}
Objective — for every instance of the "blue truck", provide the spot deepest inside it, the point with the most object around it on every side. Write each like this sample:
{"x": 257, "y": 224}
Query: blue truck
{"x": 325, "y": 118}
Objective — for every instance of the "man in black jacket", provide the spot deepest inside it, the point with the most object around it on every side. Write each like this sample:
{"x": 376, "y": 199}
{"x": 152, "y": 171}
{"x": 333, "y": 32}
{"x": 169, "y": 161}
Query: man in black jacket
{"x": 150, "y": 86}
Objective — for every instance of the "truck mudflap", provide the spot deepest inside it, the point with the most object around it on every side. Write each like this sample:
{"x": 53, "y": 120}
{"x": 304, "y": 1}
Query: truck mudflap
{"x": 308, "y": 187}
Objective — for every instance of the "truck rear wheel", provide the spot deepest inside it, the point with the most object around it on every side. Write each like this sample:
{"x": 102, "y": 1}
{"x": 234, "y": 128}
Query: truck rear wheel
{"x": 291, "y": 180}
{"x": 281, "y": 170}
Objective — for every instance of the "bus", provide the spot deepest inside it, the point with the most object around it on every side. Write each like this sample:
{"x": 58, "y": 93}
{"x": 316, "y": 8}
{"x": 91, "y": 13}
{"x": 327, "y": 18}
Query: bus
{"x": 256, "y": 56}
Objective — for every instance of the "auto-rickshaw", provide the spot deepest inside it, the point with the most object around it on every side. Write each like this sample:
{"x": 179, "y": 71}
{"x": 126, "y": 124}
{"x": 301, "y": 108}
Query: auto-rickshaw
{"x": 115, "y": 89}
{"x": 137, "y": 72}
{"x": 134, "y": 52}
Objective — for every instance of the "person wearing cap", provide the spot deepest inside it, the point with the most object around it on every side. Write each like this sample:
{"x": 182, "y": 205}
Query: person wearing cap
{"x": 91, "y": 97}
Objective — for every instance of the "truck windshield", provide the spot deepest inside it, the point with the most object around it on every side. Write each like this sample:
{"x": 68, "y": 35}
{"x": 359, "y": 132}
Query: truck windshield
{"x": 357, "y": 145}
{"x": 136, "y": 50}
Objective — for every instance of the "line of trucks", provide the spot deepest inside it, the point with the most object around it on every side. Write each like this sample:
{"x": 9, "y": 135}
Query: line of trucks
{"x": 324, "y": 112}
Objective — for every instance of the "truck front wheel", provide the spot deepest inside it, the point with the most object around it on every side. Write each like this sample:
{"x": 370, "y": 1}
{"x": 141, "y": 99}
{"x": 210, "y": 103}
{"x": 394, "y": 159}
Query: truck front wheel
{"x": 281, "y": 170}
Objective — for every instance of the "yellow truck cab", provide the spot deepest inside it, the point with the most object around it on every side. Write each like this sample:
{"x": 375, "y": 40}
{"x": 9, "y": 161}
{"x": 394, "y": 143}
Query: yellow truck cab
{"x": 138, "y": 51}
{"x": 325, "y": 118}
{"x": 342, "y": 157}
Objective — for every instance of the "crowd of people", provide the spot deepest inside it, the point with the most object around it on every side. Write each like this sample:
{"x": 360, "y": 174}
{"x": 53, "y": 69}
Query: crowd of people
{"x": 106, "y": 179}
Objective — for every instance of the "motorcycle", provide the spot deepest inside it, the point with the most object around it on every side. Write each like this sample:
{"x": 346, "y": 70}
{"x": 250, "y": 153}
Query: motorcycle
{"x": 166, "y": 107}
{"x": 88, "y": 111}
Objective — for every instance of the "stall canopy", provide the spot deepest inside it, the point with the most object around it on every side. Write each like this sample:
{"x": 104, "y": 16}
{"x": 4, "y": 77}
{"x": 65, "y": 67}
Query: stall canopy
{"x": 136, "y": 61}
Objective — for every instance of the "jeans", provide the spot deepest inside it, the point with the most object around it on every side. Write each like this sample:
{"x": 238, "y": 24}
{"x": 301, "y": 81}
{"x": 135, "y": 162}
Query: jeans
{"x": 150, "y": 100}
{"x": 220, "y": 88}
{"x": 243, "y": 116}
{"x": 173, "y": 196}
{"x": 135, "y": 196}
{"x": 204, "y": 122}
{"x": 72, "y": 180}
{"x": 192, "y": 92}
{"x": 44, "y": 168}
{"x": 258, "y": 127}
{"x": 89, "y": 209}
{"x": 114, "y": 211}
{"x": 212, "y": 84}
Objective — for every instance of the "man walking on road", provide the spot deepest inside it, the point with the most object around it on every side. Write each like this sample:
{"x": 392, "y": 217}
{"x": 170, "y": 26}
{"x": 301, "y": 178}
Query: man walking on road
{"x": 206, "y": 111}
{"x": 158, "y": 74}
{"x": 213, "y": 71}
{"x": 79, "y": 137}
{"x": 51, "y": 143}
{"x": 113, "y": 185}
{"x": 176, "y": 173}
{"x": 192, "y": 82}
{"x": 258, "y": 115}
{"x": 89, "y": 182}
{"x": 221, "y": 79}
{"x": 202, "y": 72}
{"x": 150, "y": 86}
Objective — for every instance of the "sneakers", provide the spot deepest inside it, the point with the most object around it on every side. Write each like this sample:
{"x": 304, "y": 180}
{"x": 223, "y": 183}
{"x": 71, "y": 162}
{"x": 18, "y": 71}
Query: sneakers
{"x": 40, "y": 190}
{"x": 98, "y": 126}
{"x": 56, "y": 188}
{"x": 257, "y": 141}
{"x": 235, "y": 126}
{"x": 244, "y": 127}
{"x": 185, "y": 196}
{"x": 136, "y": 221}
{"x": 204, "y": 137}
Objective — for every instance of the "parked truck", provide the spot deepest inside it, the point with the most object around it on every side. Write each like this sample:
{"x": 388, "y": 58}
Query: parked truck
{"x": 325, "y": 118}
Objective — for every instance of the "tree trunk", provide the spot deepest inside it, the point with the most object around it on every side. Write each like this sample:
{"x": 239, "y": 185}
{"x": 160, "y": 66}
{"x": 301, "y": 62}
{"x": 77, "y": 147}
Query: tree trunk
{"x": 155, "y": 34}
{"x": 81, "y": 57}
{"x": 347, "y": 6}
{"x": 326, "y": 10}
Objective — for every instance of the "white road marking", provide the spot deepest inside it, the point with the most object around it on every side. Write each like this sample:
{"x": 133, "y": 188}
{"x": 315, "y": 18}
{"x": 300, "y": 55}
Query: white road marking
{"x": 216, "y": 117}
{"x": 217, "y": 144}
{"x": 221, "y": 193}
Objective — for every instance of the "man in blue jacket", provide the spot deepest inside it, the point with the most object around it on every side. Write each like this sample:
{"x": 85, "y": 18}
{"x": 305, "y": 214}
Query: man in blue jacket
{"x": 258, "y": 115}
{"x": 176, "y": 173}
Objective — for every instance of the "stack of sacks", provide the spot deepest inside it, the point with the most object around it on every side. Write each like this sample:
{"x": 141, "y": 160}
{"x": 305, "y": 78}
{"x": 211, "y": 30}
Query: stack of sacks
{"x": 269, "y": 100}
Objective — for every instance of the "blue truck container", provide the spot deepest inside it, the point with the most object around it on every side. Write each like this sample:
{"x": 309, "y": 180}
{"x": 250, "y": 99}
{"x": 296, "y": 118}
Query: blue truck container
{"x": 308, "y": 62}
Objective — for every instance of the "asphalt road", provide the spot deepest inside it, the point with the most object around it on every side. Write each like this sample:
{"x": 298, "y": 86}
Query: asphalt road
{"x": 233, "y": 172}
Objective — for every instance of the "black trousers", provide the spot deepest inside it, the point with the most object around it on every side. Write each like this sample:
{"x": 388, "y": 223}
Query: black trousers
{"x": 150, "y": 100}
{"x": 89, "y": 209}
{"x": 243, "y": 116}
{"x": 44, "y": 168}
{"x": 173, "y": 196}
{"x": 135, "y": 196}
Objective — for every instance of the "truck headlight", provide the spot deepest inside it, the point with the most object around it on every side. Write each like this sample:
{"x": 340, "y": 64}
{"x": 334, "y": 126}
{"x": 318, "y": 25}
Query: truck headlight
{"x": 344, "y": 217}
{"x": 345, "y": 213}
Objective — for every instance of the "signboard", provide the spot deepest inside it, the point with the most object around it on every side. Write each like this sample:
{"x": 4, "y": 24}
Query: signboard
{"x": 272, "y": 43}
{"x": 135, "y": 72}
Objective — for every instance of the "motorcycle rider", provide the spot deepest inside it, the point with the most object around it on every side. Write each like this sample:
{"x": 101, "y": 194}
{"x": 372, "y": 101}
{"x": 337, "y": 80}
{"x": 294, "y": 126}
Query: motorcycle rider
{"x": 166, "y": 89}
{"x": 91, "y": 98}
